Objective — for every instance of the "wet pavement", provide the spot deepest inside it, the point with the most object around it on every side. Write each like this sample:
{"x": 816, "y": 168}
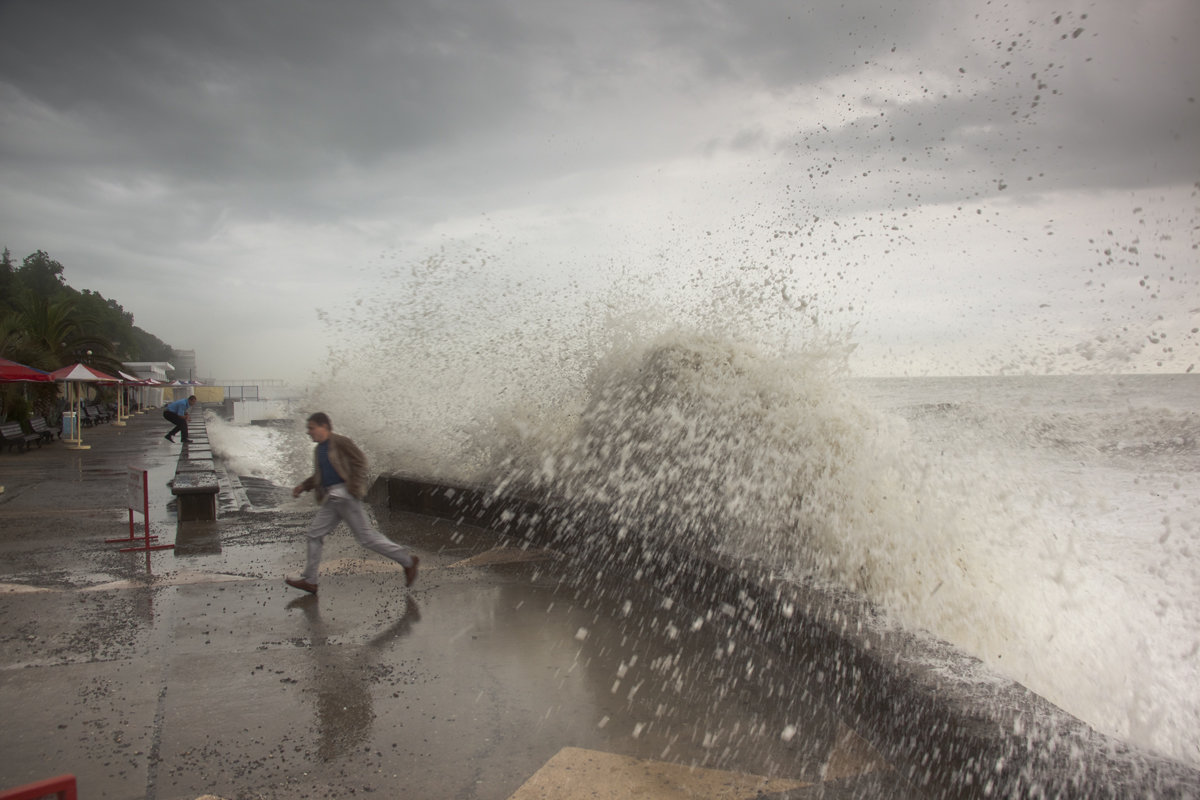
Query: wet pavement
{"x": 193, "y": 671}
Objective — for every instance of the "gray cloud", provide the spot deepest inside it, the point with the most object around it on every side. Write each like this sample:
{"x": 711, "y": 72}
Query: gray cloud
{"x": 280, "y": 141}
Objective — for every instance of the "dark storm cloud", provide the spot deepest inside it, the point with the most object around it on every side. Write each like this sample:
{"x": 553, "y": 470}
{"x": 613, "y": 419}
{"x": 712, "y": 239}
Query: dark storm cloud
{"x": 277, "y": 92}
{"x": 245, "y": 90}
{"x": 264, "y": 90}
{"x": 780, "y": 44}
{"x": 265, "y": 143}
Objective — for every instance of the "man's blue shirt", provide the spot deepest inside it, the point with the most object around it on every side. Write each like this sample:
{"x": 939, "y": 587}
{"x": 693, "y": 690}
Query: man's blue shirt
{"x": 179, "y": 407}
{"x": 329, "y": 475}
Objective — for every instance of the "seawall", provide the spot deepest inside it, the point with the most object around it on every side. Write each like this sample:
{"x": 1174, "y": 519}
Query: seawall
{"x": 951, "y": 725}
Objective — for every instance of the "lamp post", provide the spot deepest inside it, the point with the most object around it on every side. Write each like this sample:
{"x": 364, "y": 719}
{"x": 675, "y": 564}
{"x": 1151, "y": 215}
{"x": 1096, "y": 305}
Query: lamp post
{"x": 87, "y": 360}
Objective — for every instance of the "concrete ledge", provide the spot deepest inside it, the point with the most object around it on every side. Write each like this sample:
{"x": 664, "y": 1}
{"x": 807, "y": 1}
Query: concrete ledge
{"x": 190, "y": 464}
{"x": 195, "y": 482}
{"x": 196, "y": 485}
{"x": 950, "y": 725}
{"x": 196, "y": 493}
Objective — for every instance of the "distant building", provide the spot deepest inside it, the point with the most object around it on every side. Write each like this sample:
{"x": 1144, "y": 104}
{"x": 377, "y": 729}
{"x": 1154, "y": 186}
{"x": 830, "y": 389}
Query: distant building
{"x": 185, "y": 365}
{"x": 150, "y": 369}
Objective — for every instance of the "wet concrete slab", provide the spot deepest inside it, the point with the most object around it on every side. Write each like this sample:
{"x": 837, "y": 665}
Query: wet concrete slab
{"x": 93, "y": 719}
{"x": 480, "y": 680}
{"x": 574, "y": 771}
{"x": 194, "y": 671}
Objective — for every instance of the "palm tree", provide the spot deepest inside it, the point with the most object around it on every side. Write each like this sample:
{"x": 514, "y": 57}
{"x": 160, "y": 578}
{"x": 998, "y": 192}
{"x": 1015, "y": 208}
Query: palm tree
{"x": 54, "y": 337}
{"x": 15, "y": 344}
{"x": 12, "y": 337}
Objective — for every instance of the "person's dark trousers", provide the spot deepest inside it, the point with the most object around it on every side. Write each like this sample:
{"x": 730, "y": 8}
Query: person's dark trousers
{"x": 179, "y": 422}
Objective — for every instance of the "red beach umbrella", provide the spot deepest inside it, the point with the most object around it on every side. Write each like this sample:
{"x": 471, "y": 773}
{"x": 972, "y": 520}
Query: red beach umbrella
{"x": 12, "y": 372}
{"x": 82, "y": 373}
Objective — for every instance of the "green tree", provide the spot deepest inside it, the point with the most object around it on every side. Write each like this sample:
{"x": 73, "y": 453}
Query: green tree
{"x": 8, "y": 282}
{"x": 46, "y": 323}
{"x": 57, "y": 336}
{"x": 149, "y": 347}
{"x": 41, "y": 274}
{"x": 12, "y": 336}
{"x": 108, "y": 320}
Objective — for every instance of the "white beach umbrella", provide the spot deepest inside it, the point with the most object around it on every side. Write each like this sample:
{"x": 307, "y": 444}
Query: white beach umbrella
{"x": 73, "y": 377}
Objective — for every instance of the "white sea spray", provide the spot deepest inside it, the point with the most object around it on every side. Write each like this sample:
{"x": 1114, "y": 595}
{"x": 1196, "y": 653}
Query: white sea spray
{"x": 1049, "y": 529}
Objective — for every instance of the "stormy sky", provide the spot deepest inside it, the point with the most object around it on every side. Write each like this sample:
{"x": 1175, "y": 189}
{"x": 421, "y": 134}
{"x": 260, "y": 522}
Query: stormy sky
{"x": 964, "y": 187}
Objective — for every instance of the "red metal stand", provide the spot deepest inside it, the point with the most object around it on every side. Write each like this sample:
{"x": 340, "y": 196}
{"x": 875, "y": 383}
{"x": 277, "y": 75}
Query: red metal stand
{"x": 62, "y": 787}
{"x": 139, "y": 485}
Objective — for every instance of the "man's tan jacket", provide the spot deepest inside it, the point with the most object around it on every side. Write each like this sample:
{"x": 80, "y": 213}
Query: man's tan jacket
{"x": 349, "y": 463}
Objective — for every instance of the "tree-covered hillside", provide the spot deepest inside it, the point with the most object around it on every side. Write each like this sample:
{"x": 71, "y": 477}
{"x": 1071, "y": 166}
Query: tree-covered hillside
{"x": 47, "y": 324}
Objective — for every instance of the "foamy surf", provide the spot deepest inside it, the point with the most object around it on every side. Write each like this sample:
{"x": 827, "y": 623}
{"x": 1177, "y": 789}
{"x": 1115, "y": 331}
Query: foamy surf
{"x": 1056, "y": 544}
{"x": 1048, "y": 526}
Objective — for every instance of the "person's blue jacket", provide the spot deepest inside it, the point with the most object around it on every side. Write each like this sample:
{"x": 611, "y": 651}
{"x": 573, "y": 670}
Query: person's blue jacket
{"x": 179, "y": 406}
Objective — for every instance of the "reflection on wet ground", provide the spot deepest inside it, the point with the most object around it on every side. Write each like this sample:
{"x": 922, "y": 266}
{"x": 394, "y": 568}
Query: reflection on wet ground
{"x": 343, "y": 703}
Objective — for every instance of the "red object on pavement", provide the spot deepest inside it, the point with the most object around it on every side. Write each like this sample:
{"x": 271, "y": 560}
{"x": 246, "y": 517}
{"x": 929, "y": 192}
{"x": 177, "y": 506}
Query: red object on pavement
{"x": 62, "y": 787}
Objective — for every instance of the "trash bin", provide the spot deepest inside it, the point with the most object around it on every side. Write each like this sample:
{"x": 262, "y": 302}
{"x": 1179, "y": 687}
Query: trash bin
{"x": 70, "y": 427}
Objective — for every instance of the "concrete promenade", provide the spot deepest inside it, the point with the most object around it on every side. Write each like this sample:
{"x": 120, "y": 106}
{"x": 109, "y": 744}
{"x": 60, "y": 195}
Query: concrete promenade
{"x": 195, "y": 671}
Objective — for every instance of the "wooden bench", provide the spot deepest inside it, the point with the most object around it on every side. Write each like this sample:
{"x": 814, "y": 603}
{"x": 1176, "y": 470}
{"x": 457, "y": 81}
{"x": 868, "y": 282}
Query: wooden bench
{"x": 12, "y": 435}
{"x": 196, "y": 493}
{"x": 43, "y": 429}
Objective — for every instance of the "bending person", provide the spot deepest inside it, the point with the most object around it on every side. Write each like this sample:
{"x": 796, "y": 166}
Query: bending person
{"x": 340, "y": 480}
{"x": 178, "y": 413}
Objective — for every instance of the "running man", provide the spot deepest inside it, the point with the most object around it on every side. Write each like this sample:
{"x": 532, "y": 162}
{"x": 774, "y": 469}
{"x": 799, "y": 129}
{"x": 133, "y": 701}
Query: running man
{"x": 340, "y": 480}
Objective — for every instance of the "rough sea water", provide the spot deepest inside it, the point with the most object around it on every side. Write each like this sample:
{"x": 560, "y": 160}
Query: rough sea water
{"x": 1049, "y": 525}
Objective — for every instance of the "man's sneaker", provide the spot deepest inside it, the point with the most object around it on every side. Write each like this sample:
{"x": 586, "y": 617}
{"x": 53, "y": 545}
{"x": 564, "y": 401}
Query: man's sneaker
{"x": 410, "y": 573}
{"x": 169, "y": 439}
{"x": 186, "y": 441}
{"x": 301, "y": 584}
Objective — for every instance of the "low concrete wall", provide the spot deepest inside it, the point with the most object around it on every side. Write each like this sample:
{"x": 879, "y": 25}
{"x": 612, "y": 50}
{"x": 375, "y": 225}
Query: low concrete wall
{"x": 949, "y": 725}
{"x": 195, "y": 484}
